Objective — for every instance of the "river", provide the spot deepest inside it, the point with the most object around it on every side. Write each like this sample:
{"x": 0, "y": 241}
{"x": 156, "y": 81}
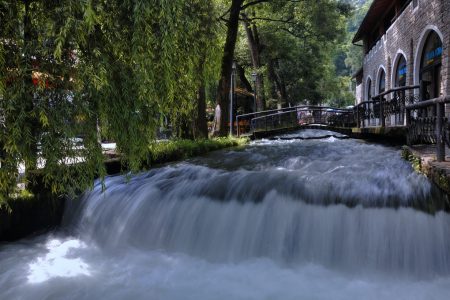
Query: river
{"x": 326, "y": 218}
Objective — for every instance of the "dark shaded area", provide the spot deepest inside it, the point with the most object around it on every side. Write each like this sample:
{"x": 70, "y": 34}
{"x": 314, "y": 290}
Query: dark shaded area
{"x": 43, "y": 212}
{"x": 28, "y": 216}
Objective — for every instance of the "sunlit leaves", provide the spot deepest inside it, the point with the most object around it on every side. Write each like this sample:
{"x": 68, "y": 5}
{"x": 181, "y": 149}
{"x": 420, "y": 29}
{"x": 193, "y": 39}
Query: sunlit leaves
{"x": 118, "y": 64}
{"x": 298, "y": 39}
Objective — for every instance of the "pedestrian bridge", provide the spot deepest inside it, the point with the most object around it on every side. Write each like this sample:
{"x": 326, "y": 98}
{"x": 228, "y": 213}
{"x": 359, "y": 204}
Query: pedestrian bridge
{"x": 302, "y": 116}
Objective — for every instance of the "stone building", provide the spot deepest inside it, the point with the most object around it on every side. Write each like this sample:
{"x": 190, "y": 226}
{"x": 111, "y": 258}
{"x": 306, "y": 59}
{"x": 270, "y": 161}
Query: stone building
{"x": 405, "y": 42}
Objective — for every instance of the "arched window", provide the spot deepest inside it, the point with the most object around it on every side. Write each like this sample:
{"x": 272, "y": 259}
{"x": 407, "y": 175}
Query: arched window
{"x": 369, "y": 89}
{"x": 382, "y": 82}
{"x": 400, "y": 72}
{"x": 430, "y": 67}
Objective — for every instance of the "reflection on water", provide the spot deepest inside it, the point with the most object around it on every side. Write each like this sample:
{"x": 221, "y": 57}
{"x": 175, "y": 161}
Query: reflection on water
{"x": 281, "y": 219}
{"x": 60, "y": 261}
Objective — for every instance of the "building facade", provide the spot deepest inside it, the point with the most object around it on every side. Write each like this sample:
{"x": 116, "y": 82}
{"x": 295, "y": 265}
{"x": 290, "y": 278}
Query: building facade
{"x": 405, "y": 43}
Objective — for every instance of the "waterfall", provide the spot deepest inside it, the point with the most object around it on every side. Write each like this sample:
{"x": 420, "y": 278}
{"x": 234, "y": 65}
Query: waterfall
{"x": 326, "y": 202}
{"x": 286, "y": 218}
{"x": 183, "y": 209}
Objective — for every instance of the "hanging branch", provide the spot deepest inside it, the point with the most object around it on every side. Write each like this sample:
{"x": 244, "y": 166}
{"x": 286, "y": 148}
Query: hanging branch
{"x": 289, "y": 21}
{"x": 253, "y": 3}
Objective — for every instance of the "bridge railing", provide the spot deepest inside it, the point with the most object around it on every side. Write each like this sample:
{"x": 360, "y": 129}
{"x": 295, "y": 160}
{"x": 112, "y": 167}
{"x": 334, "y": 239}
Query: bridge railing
{"x": 427, "y": 123}
{"x": 243, "y": 122}
{"x": 387, "y": 108}
{"x": 294, "y": 117}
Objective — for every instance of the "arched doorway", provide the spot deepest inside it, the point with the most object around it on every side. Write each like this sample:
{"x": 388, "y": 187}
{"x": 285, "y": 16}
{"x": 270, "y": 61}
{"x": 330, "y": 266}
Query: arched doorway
{"x": 430, "y": 67}
{"x": 380, "y": 88}
{"x": 382, "y": 81}
{"x": 369, "y": 89}
{"x": 368, "y": 107}
{"x": 400, "y": 72}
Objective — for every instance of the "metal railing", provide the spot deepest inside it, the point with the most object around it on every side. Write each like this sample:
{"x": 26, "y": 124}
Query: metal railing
{"x": 425, "y": 120}
{"x": 427, "y": 123}
{"x": 243, "y": 121}
{"x": 387, "y": 108}
{"x": 293, "y": 117}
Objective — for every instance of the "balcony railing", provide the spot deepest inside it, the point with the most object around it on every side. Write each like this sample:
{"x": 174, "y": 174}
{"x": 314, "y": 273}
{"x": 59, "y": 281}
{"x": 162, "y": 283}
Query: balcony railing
{"x": 427, "y": 123}
{"x": 387, "y": 108}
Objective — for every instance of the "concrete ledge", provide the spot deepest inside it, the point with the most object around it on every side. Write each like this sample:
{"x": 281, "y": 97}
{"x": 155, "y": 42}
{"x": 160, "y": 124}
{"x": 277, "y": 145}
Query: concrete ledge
{"x": 388, "y": 131}
{"x": 395, "y": 135}
{"x": 423, "y": 160}
{"x": 26, "y": 217}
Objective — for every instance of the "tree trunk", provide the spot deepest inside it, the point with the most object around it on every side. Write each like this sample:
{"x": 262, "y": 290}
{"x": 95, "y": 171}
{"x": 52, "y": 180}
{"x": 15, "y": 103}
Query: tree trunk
{"x": 244, "y": 81}
{"x": 223, "y": 89}
{"x": 255, "y": 50}
{"x": 278, "y": 82}
{"x": 184, "y": 127}
{"x": 201, "y": 126}
{"x": 275, "y": 86}
{"x": 283, "y": 92}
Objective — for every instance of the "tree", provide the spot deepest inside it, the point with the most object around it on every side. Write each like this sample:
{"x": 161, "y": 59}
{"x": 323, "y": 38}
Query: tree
{"x": 347, "y": 57}
{"x": 353, "y": 53}
{"x": 255, "y": 47}
{"x": 227, "y": 61}
{"x": 292, "y": 43}
{"x": 121, "y": 64}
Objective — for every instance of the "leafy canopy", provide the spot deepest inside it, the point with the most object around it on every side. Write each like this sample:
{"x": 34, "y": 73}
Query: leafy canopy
{"x": 69, "y": 66}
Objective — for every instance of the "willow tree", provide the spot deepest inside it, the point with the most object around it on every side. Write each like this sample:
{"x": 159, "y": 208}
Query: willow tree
{"x": 68, "y": 66}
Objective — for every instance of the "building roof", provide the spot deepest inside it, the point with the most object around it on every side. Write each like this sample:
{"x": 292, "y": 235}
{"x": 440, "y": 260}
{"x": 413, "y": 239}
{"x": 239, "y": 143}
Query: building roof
{"x": 373, "y": 16}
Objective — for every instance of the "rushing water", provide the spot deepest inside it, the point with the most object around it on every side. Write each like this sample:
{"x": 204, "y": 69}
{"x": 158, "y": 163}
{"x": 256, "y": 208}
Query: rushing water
{"x": 285, "y": 219}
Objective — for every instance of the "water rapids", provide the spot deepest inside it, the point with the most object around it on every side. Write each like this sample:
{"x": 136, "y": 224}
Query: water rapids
{"x": 281, "y": 219}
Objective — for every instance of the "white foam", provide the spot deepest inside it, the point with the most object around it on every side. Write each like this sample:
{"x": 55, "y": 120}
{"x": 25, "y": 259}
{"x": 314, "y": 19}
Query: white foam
{"x": 258, "y": 223}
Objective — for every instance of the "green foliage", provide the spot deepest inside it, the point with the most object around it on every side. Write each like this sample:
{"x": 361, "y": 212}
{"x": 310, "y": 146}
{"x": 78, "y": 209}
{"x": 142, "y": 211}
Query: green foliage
{"x": 20, "y": 196}
{"x": 23, "y": 194}
{"x": 353, "y": 54}
{"x": 298, "y": 39}
{"x": 416, "y": 161}
{"x": 118, "y": 64}
{"x": 115, "y": 69}
{"x": 347, "y": 57}
{"x": 166, "y": 151}
{"x": 338, "y": 91}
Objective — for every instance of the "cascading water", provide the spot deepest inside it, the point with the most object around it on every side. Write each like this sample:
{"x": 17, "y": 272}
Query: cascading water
{"x": 282, "y": 219}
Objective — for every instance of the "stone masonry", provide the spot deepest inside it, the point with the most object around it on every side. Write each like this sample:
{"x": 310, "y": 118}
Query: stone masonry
{"x": 406, "y": 36}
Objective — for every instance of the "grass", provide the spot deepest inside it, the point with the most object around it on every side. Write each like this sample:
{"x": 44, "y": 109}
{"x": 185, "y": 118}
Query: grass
{"x": 173, "y": 150}
{"x": 23, "y": 205}
{"x": 19, "y": 196}
{"x": 159, "y": 153}
{"x": 414, "y": 160}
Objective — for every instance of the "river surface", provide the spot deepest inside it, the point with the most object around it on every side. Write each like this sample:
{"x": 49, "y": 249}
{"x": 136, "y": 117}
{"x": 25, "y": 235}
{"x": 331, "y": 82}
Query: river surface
{"x": 324, "y": 218}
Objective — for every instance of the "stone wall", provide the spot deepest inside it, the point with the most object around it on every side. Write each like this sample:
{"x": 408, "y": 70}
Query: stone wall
{"x": 406, "y": 36}
{"x": 25, "y": 217}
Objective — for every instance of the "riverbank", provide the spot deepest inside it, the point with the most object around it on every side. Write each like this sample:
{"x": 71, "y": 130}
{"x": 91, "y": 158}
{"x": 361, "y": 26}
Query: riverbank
{"x": 22, "y": 216}
{"x": 423, "y": 159}
{"x": 169, "y": 151}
